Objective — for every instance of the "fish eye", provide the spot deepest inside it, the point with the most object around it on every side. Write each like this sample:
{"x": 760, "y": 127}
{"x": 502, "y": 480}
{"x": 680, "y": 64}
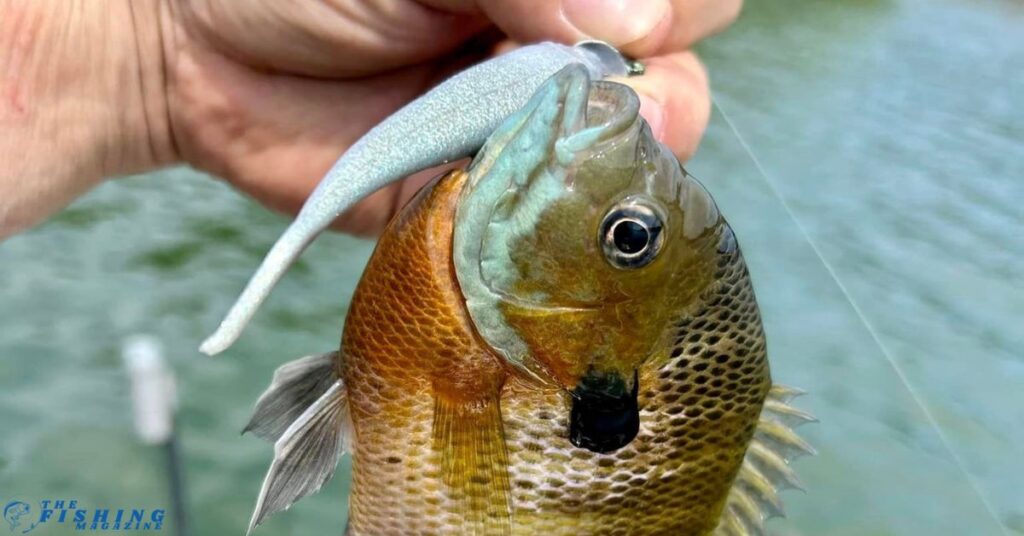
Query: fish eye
{"x": 631, "y": 235}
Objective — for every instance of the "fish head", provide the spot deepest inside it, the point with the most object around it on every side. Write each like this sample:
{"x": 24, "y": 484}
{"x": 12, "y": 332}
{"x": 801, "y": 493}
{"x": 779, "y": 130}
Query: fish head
{"x": 579, "y": 238}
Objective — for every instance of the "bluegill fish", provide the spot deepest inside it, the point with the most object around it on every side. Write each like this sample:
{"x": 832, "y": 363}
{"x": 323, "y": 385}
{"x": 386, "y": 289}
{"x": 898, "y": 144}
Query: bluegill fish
{"x": 561, "y": 339}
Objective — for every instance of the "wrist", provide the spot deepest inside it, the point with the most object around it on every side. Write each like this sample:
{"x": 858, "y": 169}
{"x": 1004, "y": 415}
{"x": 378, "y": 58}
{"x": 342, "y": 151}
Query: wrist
{"x": 82, "y": 97}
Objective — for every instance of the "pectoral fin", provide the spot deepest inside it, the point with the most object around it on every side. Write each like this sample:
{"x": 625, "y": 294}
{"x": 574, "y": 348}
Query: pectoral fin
{"x": 296, "y": 385}
{"x": 471, "y": 442}
{"x": 305, "y": 411}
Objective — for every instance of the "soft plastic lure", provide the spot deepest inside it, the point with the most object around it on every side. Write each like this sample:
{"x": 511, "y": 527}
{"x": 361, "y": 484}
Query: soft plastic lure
{"x": 471, "y": 105}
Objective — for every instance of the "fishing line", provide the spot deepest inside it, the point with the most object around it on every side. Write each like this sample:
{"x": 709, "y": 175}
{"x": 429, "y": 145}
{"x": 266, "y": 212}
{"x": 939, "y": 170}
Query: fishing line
{"x": 918, "y": 399}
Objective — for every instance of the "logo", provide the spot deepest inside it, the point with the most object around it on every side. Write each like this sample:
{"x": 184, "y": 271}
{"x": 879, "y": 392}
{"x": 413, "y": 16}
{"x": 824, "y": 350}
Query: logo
{"x": 21, "y": 517}
{"x": 14, "y": 511}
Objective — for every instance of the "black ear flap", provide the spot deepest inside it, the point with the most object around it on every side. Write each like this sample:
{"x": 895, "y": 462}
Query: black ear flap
{"x": 605, "y": 414}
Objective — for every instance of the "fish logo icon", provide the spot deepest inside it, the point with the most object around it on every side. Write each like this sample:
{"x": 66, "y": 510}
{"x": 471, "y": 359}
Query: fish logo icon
{"x": 13, "y": 512}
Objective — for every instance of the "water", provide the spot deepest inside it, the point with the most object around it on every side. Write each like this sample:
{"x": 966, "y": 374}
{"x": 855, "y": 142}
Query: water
{"x": 892, "y": 128}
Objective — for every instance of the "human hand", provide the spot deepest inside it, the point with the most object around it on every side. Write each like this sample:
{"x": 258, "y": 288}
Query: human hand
{"x": 268, "y": 94}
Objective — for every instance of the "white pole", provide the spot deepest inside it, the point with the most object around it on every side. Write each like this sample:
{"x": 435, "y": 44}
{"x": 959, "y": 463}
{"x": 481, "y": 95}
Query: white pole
{"x": 154, "y": 403}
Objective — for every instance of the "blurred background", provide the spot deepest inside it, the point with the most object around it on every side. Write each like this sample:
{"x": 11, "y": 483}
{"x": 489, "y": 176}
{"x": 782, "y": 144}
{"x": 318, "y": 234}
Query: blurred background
{"x": 893, "y": 130}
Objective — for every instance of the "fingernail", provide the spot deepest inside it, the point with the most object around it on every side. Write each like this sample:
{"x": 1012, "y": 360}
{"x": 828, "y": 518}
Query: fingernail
{"x": 616, "y": 21}
{"x": 654, "y": 113}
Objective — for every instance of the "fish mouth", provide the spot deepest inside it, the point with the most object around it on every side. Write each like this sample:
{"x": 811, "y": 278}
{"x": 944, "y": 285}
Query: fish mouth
{"x": 605, "y": 414}
{"x": 611, "y": 107}
{"x": 596, "y": 113}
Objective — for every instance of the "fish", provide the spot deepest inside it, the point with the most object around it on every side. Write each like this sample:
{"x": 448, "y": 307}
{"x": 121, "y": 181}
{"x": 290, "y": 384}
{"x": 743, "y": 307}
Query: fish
{"x": 561, "y": 338}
